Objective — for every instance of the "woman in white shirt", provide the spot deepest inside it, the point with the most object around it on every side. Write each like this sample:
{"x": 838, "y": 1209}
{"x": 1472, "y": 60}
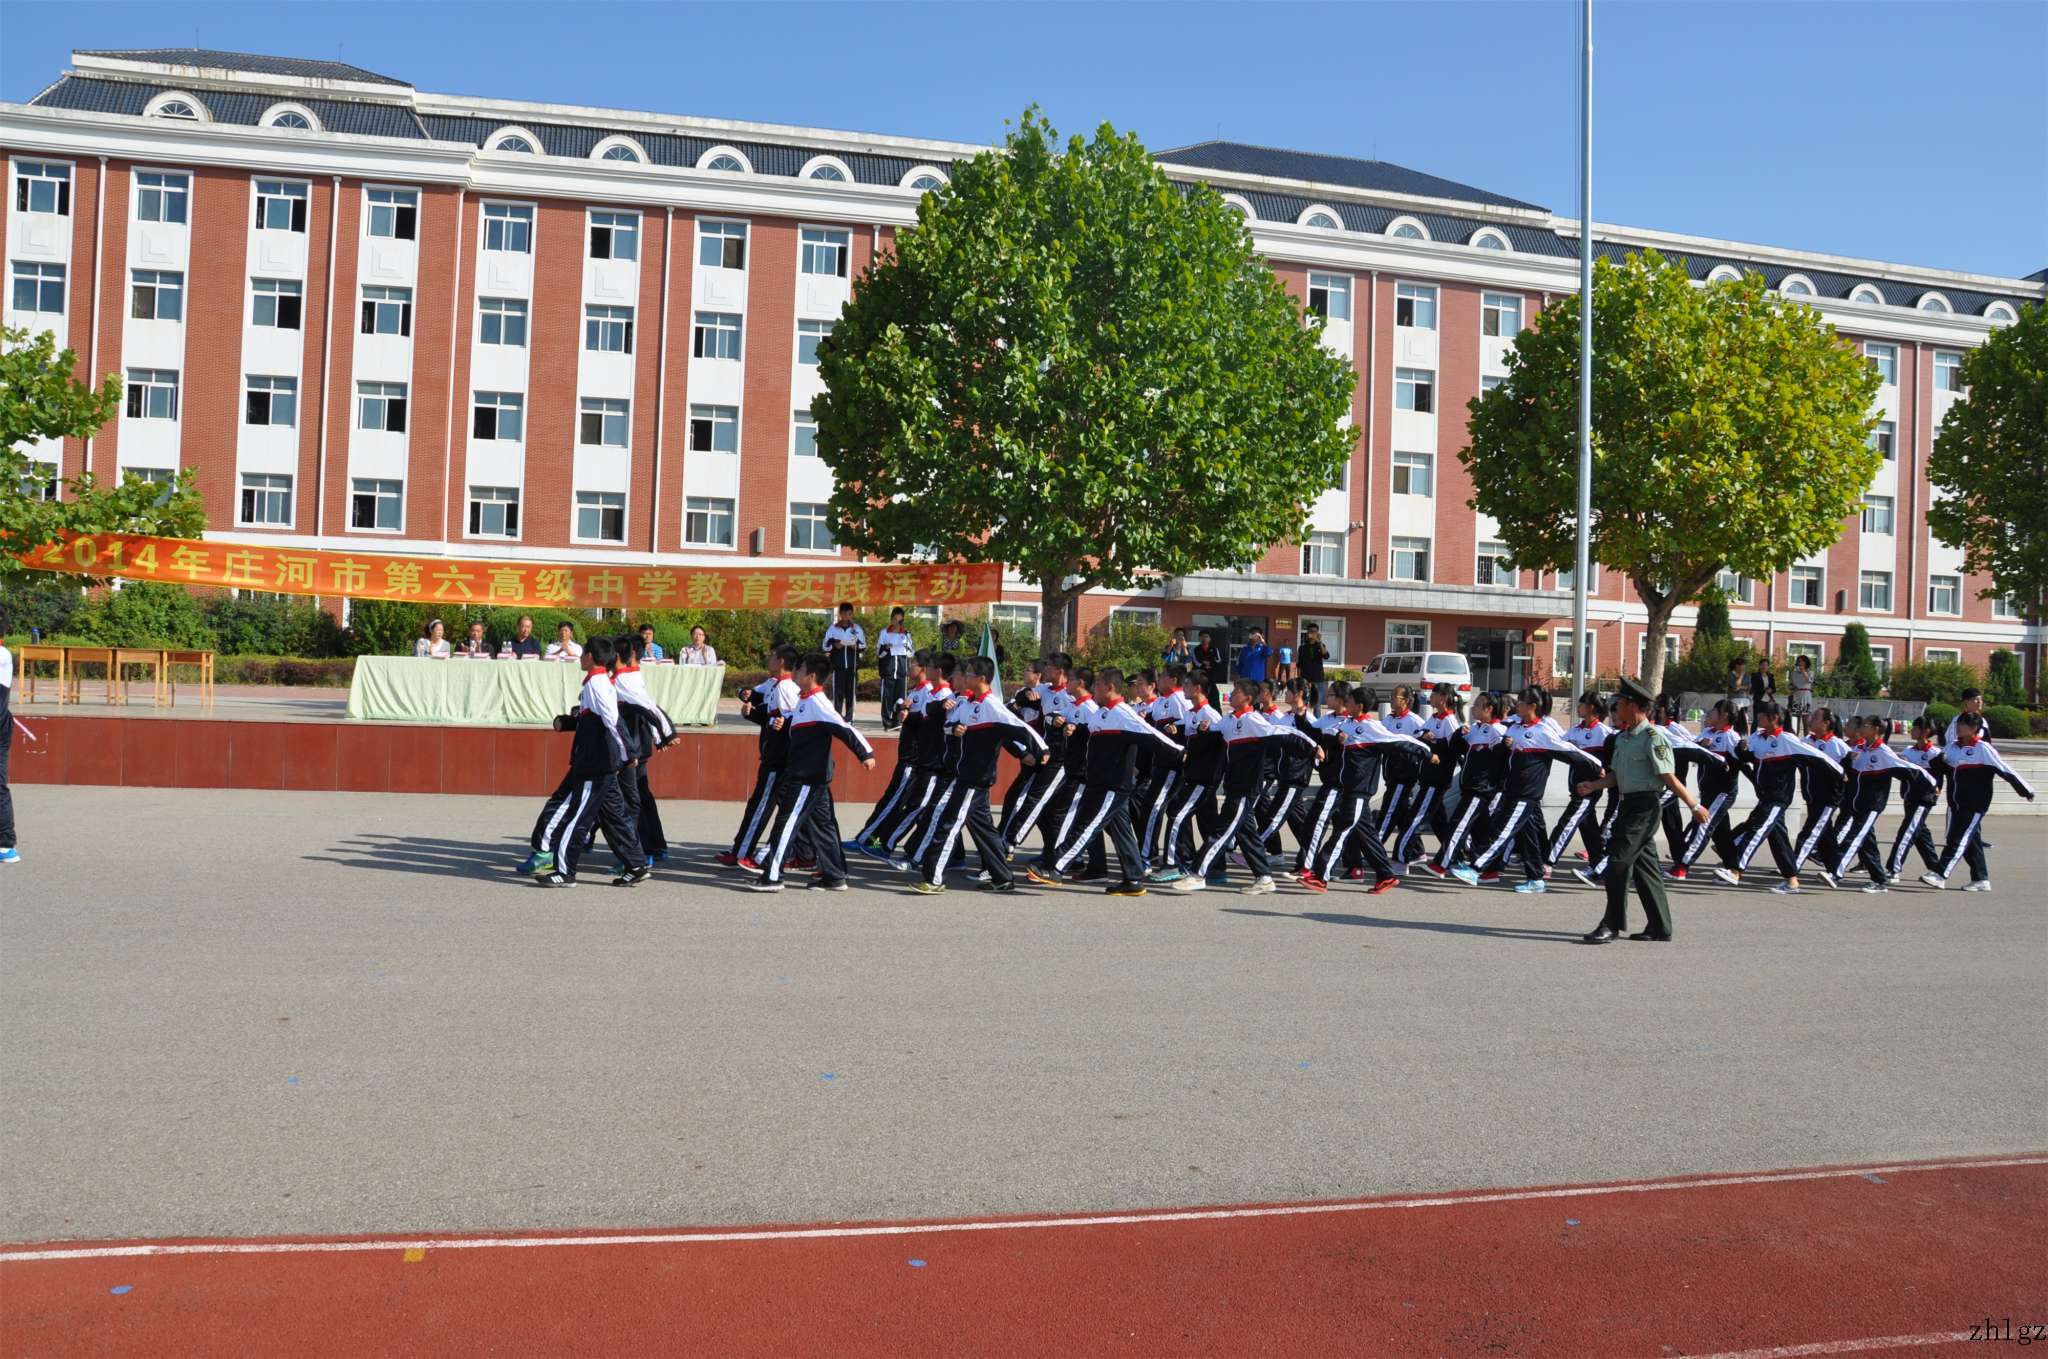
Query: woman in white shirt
{"x": 564, "y": 647}
{"x": 433, "y": 646}
{"x": 697, "y": 652}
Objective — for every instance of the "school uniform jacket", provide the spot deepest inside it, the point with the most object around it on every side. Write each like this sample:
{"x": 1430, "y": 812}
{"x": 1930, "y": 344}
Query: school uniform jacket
{"x": 1927, "y": 755}
{"x": 1876, "y": 765}
{"x": 773, "y": 698}
{"x": 642, "y": 717}
{"x": 1533, "y": 747}
{"x": 1972, "y": 765}
{"x": 1114, "y": 733}
{"x": 813, "y": 726}
{"x": 1203, "y": 767}
{"x": 1486, "y": 759}
{"x": 986, "y": 729}
{"x": 1446, "y": 737}
{"x": 1366, "y": 739}
{"x": 600, "y": 747}
{"x": 1775, "y": 762}
{"x": 1248, "y": 737}
{"x": 931, "y": 728}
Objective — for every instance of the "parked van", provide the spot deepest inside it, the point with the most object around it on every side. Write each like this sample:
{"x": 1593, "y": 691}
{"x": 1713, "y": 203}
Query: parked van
{"x": 1421, "y": 671}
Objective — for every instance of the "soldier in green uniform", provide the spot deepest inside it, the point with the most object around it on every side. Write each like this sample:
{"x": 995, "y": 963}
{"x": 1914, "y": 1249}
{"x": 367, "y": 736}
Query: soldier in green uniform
{"x": 1642, "y": 770}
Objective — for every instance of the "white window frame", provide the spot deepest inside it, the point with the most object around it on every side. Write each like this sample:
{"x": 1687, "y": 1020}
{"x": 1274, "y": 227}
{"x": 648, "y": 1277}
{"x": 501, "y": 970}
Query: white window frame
{"x": 714, "y": 331}
{"x": 1723, "y": 273}
{"x": 472, "y": 519}
{"x": 910, "y": 181}
{"x": 163, "y": 99}
{"x": 1333, "y": 220}
{"x": 507, "y": 311}
{"x": 29, "y": 175}
{"x": 1127, "y": 615}
{"x": 1954, "y": 588}
{"x": 391, "y": 203}
{"x": 619, "y": 227}
{"x": 1884, "y": 437}
{"x": 801, "y": 419}
{"x": 1863, "y": 586}
{"x": 2001, "y": 313}
{"x": 713, "y": 418}
{"x": 296, "y": 194}
{"x": 1815, "y": 652}
{"x": 1494, "y": 309}
{"x": 1558, "y": 639}
{"x": 151, "y": 184}
{"x": 1742, "y": 591}
{"x": 266, "y": 386}
{"x": 1016, "y": 615}
{"x": 151, "y": 380}
{"x": 2007, "y": 607}
{"x": 160, "y": 283}
{"x": 1881, "y": 657}
{"x": 382, "y": 395}
{"x": 381, "y": 301}
{"x": 1404, "y": 649}
{"x": 278, "y": 291}
{"x": 1643, "y": 648}
{"x": 498, "y": 403}
{"x": 39, "y": 276}
{"x": 512, "y": 132}
{"x": 708, "y": 159}
{"x": 817, "y": 163}
{"x": 602, "y": 502}
{"x": 1935, "y": 654}
{"x": 266, "y": 492}
{"x": 724, "y": 231}
{"x": 1415, "y": 380}
{"x": 1563, "y": 579}
{"x": 1884, "y": 508}
{"x": 815, "y": 331}
{"x": 637, "y": 154}
{"x": 1885, "y": 359}
{"x": 1335, "y": 629}
{"x": 379, "y": 496}
{"x": 813, "y": 242}
{"x": 275, "y": 115}
{"x": 1396, "y": 229}
{"x": 1948, "y": 363}
{"x": 512, "y": 220}
{"x": 609, "y": 412}
{"x": 1934, "y": 302}
{"x": 1404, "y": 460}
{"x": 1486, "y": 238}
{"x": 1506, "y": 577}
{"x": 1866, "y": 295}
{"x": 42, "y": 480}
{"x": 1336, "y": 296}
{"x": 1820, "y": 578}
{"x": 1420, "y": 301}
{"x": 1428, "y": 549}
{"x": 707, "y": 506}
{"x": 604, "y": 323}
{"x": 1804, "y": 286}
{"x": 1321, "y": 547}
{"x": 822, "y": 519}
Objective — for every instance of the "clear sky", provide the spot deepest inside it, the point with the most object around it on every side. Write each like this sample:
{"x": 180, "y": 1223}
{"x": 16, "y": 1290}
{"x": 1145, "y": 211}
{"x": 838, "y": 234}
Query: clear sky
{"x": 1912, "y": 132}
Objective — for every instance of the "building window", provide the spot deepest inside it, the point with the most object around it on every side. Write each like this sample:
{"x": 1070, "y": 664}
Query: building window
{"x": 707, "y": 521}
{"x": 1410, "y": 558}
{"x": 1414, "y": 473}
{"x": 1123, "y": 616}
{"x": 387, "y": 311}
{"x": 509, "y": 227}
{"x": 157, "y": 295}
{"x": 1415, "y": 305}
{"x": 42, "y": 186}
{"x": 276, "y": 303}
{"x": 1500, "y": 314}
{"x": 808, "y": 336}
{"x": 381, "y": 406}
{"x": 717, "y": 335}
{"x": 825, "y": 252}
{"x": 395, "y": 213}
{"x": 1489, "y": 381}
{"x": 1407, "y": 638}
{"x": 810, "y": 527}
{"x": 1866, "y": 296}
{"x": 1323, "y": 555}
{"x": 1938, "y": 654}
{"x": 1565, "y": 657}
{"x": 1808, "y": 584}
{"x": 510, "y": 141}
{"x": 1486, "y": 238}
{"x": 271, "y": 401}
{"x": 620, "y": 151}
{"x": 1737, "y": 588}
{"x": 501, "y": 320}
{"x": 601, "y": 516}
{"x": 1814, "y": 652}
{"x": 803, "y": 438}
{"x": 726, "y": 163}
{"x": 266, "y": 499}
{"x": 375, "y": 505}
{"x": 280, "y": 206}
{"x": 494, "y": 512}
{"x": 1874, "y": 591}
{"x": 714, "y": 429}
{"x": 152, "y": 394}
{"x": 181, "y": 109}
{"x": 161, "y": 196}
{"x": 1495, "y": 567}
{"x": 1877, "y": 514}
{"x": 1564, "y": 579}
{"x": 40, "y": 480}
{"x": 1885, "y": 359}
{"x": 1944, "y": 594}
{"x": 499, "y": 415}
{"x": 2007, "y": 606}
{"x": 722, "y": 245}
{"x": 614, "y": 235}
{"x": 1414, "y": 390}
{"x": 1948, "y": 371}
{"x": 608, "y": 330}
{"x": 602, "y": 422}
{"x": 39, "y": 288}
{"x": 1329, "y": 296}
{"x": 1884, "y": 437}
{"x": 291, "y": 118}
{"x": 928, "y": 182}
{"x": 1881, "y": 657}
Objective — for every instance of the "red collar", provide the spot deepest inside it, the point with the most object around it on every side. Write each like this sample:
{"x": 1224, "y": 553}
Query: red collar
{"x": 814, "y": 689}
{"x": 1967, "y": 741}
{"x": 1114, "y": 700}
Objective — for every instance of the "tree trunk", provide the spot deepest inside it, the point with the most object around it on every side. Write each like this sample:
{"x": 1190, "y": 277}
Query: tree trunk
{"x": 1052, "y": 614}
{"x": 1660, "y": 610}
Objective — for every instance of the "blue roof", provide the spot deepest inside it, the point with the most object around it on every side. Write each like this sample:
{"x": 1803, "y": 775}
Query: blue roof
{"x": 1244, "y": 159}
{"x": 249, "y": 62}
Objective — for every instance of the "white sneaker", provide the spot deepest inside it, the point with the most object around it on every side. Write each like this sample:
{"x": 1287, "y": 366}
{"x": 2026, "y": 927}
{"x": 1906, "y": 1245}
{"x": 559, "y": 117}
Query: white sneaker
{"x": 1876, "y": 887}
{"x": 1257, "y": 887}
{"x": 1983, "y": 886}
{"x": 1787, "y": 889}
{"x": 1728, "y": 876}
{"x": 1193, "y": 882}
{"x": 1829, "y": 878}
{"x": 1934, "y": 880}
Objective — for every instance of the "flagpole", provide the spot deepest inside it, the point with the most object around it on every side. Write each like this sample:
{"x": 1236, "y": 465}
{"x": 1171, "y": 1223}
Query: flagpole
{"x": 1580, "y": 679}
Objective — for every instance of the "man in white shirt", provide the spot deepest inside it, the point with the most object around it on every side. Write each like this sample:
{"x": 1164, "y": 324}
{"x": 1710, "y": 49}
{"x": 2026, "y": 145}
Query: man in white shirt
{"x": 564, "y": 647}
{"x": 844, "y": 642}
{"x": 892, "y": 655}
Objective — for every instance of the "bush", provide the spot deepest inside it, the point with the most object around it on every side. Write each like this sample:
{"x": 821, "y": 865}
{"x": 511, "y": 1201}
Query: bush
{"x": 145, "y": 613}
{"x": 330, "y": 673}
{"x": 2003, "y": 682}
{"x": 285, "y": 626}
{"x": 2007, "y": 722}
{"x": 2038, "y": 720}
{"x": 1705, "y": 667}
{"x": 1130, "y": 647}
{"x": 1854, "y": 673}
{"x": 45, "y": 602}
{"x": 1941, "y": 714}
{"x": 1932, "y": 680}
{"x": 1713, "y": 616}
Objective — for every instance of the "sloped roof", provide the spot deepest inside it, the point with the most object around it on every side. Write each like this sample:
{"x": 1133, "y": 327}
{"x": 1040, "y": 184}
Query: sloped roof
{"x": 1245, "y": 159}
{"x": 250, "y": 62}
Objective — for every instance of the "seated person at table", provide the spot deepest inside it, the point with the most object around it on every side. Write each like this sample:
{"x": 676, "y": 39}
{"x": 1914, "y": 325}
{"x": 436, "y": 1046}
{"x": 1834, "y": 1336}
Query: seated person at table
{"x": 698, "y": 652}
{"x": 433, "y": 646}
{"x": 650, "y": 649}
{"x": 476, "y": 644}
{"x": 524, "y": 643}
{"x": 564, "y": 647}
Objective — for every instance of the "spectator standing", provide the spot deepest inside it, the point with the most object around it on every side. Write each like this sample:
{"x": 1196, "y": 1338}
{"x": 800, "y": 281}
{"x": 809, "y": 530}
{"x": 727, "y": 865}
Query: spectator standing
{"x": 1762, "y": 684}
{"x": 564, "y": 647}
{"x": 651, "y": 649}
{"x": 1738, "y": 681}
{"x": 699, "y": 651}
{"x": 1176, "y": 652}
{"x": 524, "y": 643}
{"x": 953, "y": 637}
{"x": 892, "y": 657}
{"x": 1310, "y": 658}
{"x": 434, "y": 645}
{"x": 1802, "y": 692}
{"x": 476, "y": 645}
{"x": 844, "y": 641}
{"x": 1212, "y": 665}
{"x": 1253, "y": 657}
{"x": 9, "y": 852}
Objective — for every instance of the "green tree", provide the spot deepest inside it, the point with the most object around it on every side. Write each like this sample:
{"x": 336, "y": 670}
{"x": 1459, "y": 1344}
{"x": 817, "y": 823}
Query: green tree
{"x": 40, "y": 399}
{"x": 1855, "y": 670}
{"x": 1713, "y": 619}
{"x": 1987, "y": 467}
{"x": 1729, "y": 430}
{"x": 1078, "y": 367}
{"x": 2003, "y": 683}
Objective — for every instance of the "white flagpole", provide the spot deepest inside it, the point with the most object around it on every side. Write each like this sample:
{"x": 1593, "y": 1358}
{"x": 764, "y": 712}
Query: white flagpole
{"x": 1580, "y": 679}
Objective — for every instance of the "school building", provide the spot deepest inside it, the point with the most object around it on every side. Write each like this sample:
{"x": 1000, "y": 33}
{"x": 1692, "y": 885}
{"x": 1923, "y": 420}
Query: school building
{"x": 378, "y": 318}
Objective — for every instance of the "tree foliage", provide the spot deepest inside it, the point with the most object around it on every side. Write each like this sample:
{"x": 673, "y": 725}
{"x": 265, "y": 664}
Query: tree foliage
{"x": 1854, "y": 674}
{"x": 1075, "y": 366}
{"x": 1989, "y": 467}
{"x": 1729, "y": 430}
{"x": 40, "y": 399}
{"x": 1713, "y": 616}
{"x": 2003, "y": 681}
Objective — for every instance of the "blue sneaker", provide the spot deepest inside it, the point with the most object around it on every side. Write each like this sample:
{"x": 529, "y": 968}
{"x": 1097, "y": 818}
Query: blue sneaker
{"x": 1533, "y": 885}
{"x": 658, "y": 857}
{"x": 528, "y": 864}
{"x": 1466, "y": 874}
{"x": 10, "y": 856}
{"x": 1164, "y": 875}
{"x": 874, "y": 850}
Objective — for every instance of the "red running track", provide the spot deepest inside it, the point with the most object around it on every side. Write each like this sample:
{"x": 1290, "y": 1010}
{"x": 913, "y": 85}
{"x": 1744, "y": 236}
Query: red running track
{"x": 1894, "y": 1259}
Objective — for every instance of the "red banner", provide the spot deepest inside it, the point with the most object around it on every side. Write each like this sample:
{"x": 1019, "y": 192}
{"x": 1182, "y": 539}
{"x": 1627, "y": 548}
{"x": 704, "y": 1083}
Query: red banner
{"x": 580, "y": 585}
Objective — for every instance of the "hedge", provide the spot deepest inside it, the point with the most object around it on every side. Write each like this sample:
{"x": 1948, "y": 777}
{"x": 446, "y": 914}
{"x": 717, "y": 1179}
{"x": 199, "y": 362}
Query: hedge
{"x": 1931, "y": 681}
{"x": 1941, "y": 714}
{"x": 2007, "y": 722}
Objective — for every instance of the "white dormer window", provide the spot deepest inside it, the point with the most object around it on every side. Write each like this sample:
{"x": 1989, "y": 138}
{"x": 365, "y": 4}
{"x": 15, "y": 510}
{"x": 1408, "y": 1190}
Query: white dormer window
{"x": 622, "y": 149}
{"x": 1795, "y": 285}
{"x": 1324, "y": 218}
{"x": 1407, "y": 229}
{"x": 726, "y": 160}
{"x": 1865, "y": 295}
{"x": 829, "y": 168}
{"x": 2001, "y": 313}
{"x": 513, "y": 139}
{"x": 1242, "y": 207}
{"x": 1724, "y": 273}
{"x": 925, "y": 179}
{"x": 1935, "y": 302}
{"x": 177, "y": 104}
{"x": 1486, "y": 238}
{"x": 296, "y": 117}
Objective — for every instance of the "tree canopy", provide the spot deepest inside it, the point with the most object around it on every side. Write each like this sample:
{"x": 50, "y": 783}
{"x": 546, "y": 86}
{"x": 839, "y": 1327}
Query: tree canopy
{"x": 1081, "y": 368}
{"x": 40, "y": 399}
{"x": 1989, "y": 467}
{"x": 1730, "y": 430}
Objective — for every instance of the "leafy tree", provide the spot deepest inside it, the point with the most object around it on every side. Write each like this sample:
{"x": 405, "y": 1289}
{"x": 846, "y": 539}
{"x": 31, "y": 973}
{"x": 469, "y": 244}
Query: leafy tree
{"x": 2003, "y": 682}
{"x": 1729, "y": 430}
{"x": 1991, "y": 498}
{"x": 1855, "y": 671}
{"x": 1076, "y": 366}
{"x": 40, "y": 399}
{"x": 1713, "y": 619}
{"x": 1932, "y": 681}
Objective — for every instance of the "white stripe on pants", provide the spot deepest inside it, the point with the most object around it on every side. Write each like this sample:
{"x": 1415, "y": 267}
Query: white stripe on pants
{"x": 1326, "y": 803}
{"x": 1335, "y": 849}
{"x": 1022, "y": 827}
{"x": 1949, "y": 864}
{"x": 1395, "y": 798}
{"x": 932, "y": 826}
{"x": 1415, "y": 823}
{"x": 930, "y": 786}
{"x": 1446, "y": 856}
{"x": 1759, "y": 835}
{"x": 1702, "y": 831}
{"x": 896, "y": 790}
{"x": 562, "y": 824}
{"x": 1159, "y": 804}
{"x": 1850, "y": 845}
{"x": 1914, "y": 818}
{"x": 1580, "y": 806}
{"x": 965, "y": 795}
{"x": 796, "y": 819}
{"x": 750, "y": 833}
{"x": 1279, "y": 815}
{"x": 1242, "y": 804}
{"x": 1815, "y": 836}
{"x": 1109, "y": 797}
{"x": 1506, "y": 836}
{"x": 1196, "y": 792}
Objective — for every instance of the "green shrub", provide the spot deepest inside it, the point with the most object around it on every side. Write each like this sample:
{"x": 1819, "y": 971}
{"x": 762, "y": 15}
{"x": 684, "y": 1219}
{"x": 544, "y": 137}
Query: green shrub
{"x": 45, "y": 602}
{"x": 2003, "y": 682}
{"x": 1129, "y": 647}
{"x": 2038, "y": 721}
{"x": 280, "y": 626}
{"x": 1706, "y": 663}
{"x": 1713, "y": 616}
{"x": 145, "y": 613}
{"x": 1854, "y": 673}
{"x": 326, "y": 673}
{"x": 1932, "y": 680}
{"x": 2007, "y": 722}
{"x": 1941, "y": 714}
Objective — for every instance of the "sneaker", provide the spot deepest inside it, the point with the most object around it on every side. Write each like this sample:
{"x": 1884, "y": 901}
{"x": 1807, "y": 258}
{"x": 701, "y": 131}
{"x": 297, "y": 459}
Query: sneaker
{"x": 1533, "y": 885}
{"x": 1355, "y": 875}
{"x": 1191, "y": 885}
{"x": 1314, "y": 883}
{"x": 10, "y": 855}
{"x": 555, "y": 880}
{"x": 543, "y": 863}
{"x": 1981, "y": 885}
{"x": 1829, "y": 878}
{"x": 1585, "y": 875}
{"x": 874, "y": 850}
{"x": 1164, "y": 876}
{"x": 1489, "y": 877}
{"x": 1008, "y": 885}
{"x": 660, "y": 856}
{"x": 1869, "y": 887}
{"x": 1383, "y": 886}
{"x": 1729, "y": 876}
{"x": 1675, "y": 874}
{"x": 632, "y": 877}
{"x": 824, "y": 884}
{"x": 930, "y": 889}
{"x": 726, "y": 859}
{"x": 1092, "y": 875}
{"x": 802, "y": 865}
{"x": 763, "y": 885}
{"x": 1125, "y": 889}
{"x": 1787, "y": 889}
{"x": 1434, "y": 869}
{"x": 1466, "y": 874}
{"x": 1934, "y": 880}
{"x": 526, "y": 865}
{"x": 750, "y": 863}
{"x": 1257, "y": 887}
{"x": 1044, "y": 877}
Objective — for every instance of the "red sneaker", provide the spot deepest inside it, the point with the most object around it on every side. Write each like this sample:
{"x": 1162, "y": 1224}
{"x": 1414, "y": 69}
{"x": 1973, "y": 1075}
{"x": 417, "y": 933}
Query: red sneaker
{"x": 1678, "y": 873}
{"x": 1490, "y": 875}
{"x": 727, "y": 859}
{"x": 1433, "y": 869}
{"x": 1314, "y": 883}
{"x": 1579, "y": 854}
{"x": 1356, "y": 875}
{"x": 1384, "y": 885}
{"x": 752, "y": 866}
{"x": 803, "y": 865}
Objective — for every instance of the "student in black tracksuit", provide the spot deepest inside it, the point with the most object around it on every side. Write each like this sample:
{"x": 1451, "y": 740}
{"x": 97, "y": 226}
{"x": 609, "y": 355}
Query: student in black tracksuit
{"x": 1049, "y": 776}
{"x": 1536, "y": 743}
{"x": 904, "y": 721}
{"x": 805, "y": 796}
{"x": 1352, "y": 827}
{"x": 1024, "y": 702}
{"x": 1920, "y": 800}
{"x": 1592, "y": 735}
{"x": 1310, "y": 819}
{"x": 1774, "y": 757}
{"x": 984, "y": 729}
{"x": 1720, "y": 776}
{"x": 1876, "y": 764}
{"x": 8, "y": 852}
{"x": 1971, "y": 765}
{"x": 1249, "y": 738}
{"x": 1402, "y": 765}
{"x": 1822, "y": 788}
{"x": 588, "y": 795}
{"x": 1444, "y": 731}
{"x": 1168, "y": 712}
{"x": 1290, "y": 792}
{"x": 1482, "y": 770}
{"x": 1073, "y": 718}
{"x": 761, "y": 705}
{"x": 928, "y": 770}
{"x": 1114, "y": 732}
{"x": 647, "y": 729}
{"x": 1192, "y": 806}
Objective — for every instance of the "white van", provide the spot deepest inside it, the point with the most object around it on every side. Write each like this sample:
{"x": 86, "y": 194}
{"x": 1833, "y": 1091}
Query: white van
{"x": 1421, "y": 671}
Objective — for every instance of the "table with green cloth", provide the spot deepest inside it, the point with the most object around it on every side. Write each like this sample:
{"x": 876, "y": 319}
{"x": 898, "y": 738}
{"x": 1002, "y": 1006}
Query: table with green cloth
{"x": 497, "y": 693}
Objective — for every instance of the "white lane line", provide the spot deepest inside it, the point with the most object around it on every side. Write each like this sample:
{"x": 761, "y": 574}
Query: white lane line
{"x": 988, "y": 1224}
{"x": 1876, "y": 1342}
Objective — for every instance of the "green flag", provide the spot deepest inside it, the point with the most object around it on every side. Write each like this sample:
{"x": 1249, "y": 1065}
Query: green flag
{"x": 988, "y": 649}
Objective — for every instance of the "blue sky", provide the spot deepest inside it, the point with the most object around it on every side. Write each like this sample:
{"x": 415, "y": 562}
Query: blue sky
{"x": 1907, "y": 132}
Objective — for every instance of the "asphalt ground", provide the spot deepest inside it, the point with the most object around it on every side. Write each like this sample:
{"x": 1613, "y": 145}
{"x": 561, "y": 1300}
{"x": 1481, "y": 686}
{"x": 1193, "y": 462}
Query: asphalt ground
{"x": 239, "y": 1013}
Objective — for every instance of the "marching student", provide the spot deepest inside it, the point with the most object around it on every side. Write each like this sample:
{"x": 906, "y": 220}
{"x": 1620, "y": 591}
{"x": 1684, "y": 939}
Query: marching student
{"x": 1971, "y": 766}
{"x": 1281, "y": 803}
{"x": 1720, "y": 775}
{"x": 985, "y": 728}
{"x": 1310, "y": 820}
{"x": 1483, "y": 771}
{"x": 906, "y": 719}
{"x": 1074, "y": 718}
{"x": 589, "y": 793}
{"x": 1876, "y": 765}
{"x": 1534, "y": 743}
{"x": 892, "y": 661}
{"x": 650, "y": 729}
{"x": 1444, "y": 731}
{"x": 1403, "y": 767}
{"x": 1774, "y": 756}
{"x": 10, "y": 851}
{"x": 1168, "y": 712}
{"x": 1114, "y": 732}
{"x": 1193, "y": 805}
{"x": 1025, "y": 703}
{"x": 925, "y": 827}
{"x": 1365, "y": 742}
{"x": 761, "y": 705}
{"x": 844, "y": 642}
{"x": 1248, "y": 735}
{"x": 929, "y": 759}
{"x": 1823, "y": 789}
{"x": 1049, "y": 775}
{"x": 1592, "y": 735}
{"x": 1920, "y": 800}
{"x": 805, "y": 797}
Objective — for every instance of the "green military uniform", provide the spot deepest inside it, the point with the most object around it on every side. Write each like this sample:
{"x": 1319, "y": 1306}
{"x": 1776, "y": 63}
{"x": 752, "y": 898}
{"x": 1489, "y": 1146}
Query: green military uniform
{"x": 1642, "y": 757}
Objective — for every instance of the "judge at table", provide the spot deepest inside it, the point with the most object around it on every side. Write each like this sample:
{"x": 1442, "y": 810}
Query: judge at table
{"x": 524, "y": 643}
{"x": 476, "y": 644}
{"x": 564, "y": 647}
{"x": 434, "y": 645}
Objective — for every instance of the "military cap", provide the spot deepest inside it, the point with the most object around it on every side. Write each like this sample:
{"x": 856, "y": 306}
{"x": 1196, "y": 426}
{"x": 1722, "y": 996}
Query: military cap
{"x": 1634, "y": 692}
